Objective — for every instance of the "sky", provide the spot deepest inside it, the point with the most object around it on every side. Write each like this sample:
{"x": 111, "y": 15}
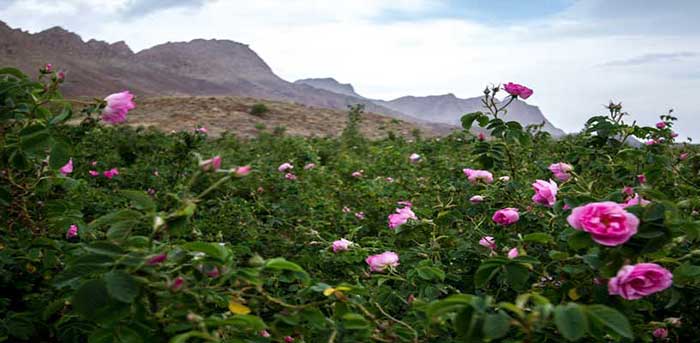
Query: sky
{"x": 577, "y": 55}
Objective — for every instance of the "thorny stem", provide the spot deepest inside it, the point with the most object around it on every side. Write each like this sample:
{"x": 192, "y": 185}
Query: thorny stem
{"x": 415, "y": 333}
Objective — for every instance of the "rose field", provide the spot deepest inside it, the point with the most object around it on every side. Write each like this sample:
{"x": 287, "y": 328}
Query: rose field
{"x": 111, "y": 233}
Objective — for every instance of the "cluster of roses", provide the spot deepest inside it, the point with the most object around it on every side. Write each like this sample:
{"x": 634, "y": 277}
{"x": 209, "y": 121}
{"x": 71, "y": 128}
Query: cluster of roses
{"x": 607, "y": 222}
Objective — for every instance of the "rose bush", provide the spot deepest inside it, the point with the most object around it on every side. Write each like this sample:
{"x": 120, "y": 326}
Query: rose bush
{"x": 176, "y": 247}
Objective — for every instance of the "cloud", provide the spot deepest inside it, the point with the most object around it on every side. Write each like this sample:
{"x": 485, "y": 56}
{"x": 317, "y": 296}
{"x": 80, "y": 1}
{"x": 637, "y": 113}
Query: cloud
{"x": 145, "y": 7}
{"x": 651, "y": 58}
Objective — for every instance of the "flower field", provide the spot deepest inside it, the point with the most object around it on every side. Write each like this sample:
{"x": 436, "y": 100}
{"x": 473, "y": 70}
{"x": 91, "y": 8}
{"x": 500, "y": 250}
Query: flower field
{"x": 116, "y": 234}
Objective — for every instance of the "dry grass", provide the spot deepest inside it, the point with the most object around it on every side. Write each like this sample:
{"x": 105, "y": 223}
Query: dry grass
{"x": 228, "y": 113}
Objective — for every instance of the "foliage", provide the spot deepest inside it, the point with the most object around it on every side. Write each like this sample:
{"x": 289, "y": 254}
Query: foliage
{"x": 259, "y": 109}
{"x": 167, "y": 251}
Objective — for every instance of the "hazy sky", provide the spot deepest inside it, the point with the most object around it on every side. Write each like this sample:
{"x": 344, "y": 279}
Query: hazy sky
{"x": 576, "y": 55}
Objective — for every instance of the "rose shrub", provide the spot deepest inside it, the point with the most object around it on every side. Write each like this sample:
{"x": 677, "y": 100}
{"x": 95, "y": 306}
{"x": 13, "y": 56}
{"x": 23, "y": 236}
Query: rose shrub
{"x": 195, "y": 239}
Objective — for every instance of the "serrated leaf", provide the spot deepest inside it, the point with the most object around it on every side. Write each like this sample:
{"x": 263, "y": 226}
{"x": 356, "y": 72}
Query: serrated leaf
{"x": 121, "y": 286}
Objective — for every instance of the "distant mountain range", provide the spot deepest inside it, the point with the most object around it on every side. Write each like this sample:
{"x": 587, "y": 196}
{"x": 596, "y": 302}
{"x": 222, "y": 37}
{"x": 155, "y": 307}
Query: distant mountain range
{"x": 216, "y": 67}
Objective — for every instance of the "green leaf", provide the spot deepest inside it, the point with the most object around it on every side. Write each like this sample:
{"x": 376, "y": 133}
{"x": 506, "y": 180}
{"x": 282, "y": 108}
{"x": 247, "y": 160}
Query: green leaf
{"x": 213, "y": 250}
{"x": 91, "y": 298}
{"x": 430, "y": 273}
{"x": 140, "y": 200}
{"x": 121, "y": 286}
{"x": 686, "y": 274}
{"x": 453, "y": 303}
{"x": 354, "y": 321}
{"x": 517, "y": 276}
{"x": 538, "y": 237}
{"x": 487, "y": 270}
{"x": 580, "y": 240}
{"x": 60, "y": 154}
{"x": 610, "y": 318}
{"x": 496, "y": 325}
{"x": 468, "y": 119}
{"x": 184, "y": 337}
{"x": 282, "y": 264}
{"x": 570, "y": 321}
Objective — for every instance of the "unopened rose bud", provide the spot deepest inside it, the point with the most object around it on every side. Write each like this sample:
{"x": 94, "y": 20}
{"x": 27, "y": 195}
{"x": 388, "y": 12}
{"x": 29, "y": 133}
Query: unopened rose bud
{"x": 177, "y": 284}
{"x": 660, "y": 333}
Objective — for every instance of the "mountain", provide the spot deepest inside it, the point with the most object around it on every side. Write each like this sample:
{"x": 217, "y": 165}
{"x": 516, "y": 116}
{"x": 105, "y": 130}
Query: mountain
{"x": 212, "y": 67}
{"x": 446, "y": 109}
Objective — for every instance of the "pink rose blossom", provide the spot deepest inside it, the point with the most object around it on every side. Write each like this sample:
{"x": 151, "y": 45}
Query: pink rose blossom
{"x": 118, "y": 104}
{"x": 642, "y": 178}
{"x": 60, "y": 76}
{"x": 288, "y": 339}
{"x": 341, "y": 245}
{"x": 414, "y": 157}
{"x": 290, "y": 176}
{"x": 380, "y": 262}
{"x": 93, "y": 163}
{"x": 93, "y": 172}
{"x": 67, "y": 168}
{"x": 506, "y": 216}
{"x": 474, "y": 175}
{"x": 48, "y": 67}
{"x": 476, "y": 199}
{"x": 640, "y": 280}
{"x": 346, "y": 209}
{"x": 674, "y": 134}
{"x": 651, "y": 142}
{"x": 243, "y": 171}
{"x": 661, "y": 333}
{"x": 264, "y": 333}
{"x": 357, "y": 173}
{"x": 481, "y": 137}
{"x": 72, "y": 231}
{"x": 628, "y": 191}
{"x": 284, "y": 167}
{"x": 561, "y": 170}
{"x": 607, "y": 222}
{"x": 683, "y": 156}
{"x": 504, "y": 178}
{"x": 211, "y": 164}
{"x": 111, "y": 173}
{"x": 360, "y": 215}
{"x": 636, "y": 200}
{"x": 517, "y": 90}
{"x": 202, "y": 130}
{"x": 660, "y": 125}
{"x": 566, "y": 207}
{"x": 488, "y": 242}
{"x": 177, "y": 284}
{"x": 310, "y": 166}
{"x": 389, "y": 179}
{"x": 402, "y": 216}
{"x": 513, "y": 253}
{"x": 158, "y": 259}
{"x": 545, "y": 192}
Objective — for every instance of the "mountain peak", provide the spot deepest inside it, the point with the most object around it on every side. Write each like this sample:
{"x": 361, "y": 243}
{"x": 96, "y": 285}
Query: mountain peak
{"x": 330, "y": 84}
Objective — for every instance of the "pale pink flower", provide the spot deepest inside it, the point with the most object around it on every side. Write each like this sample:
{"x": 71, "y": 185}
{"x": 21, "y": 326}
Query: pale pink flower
{"x": 641, "y": 178}
{"x": 118, "y": 105}
{"x": 651, "y": 142}
{"x": 264, "y": 333}
{"x": 513, "y": 253}
{"x": 211, "y": 164}
{"x": 566, "y": 207}
{"x": 517, "y": 90}
{"x": 476, "y": 199}
{"x": 504, "y": 178}
{"x": 640, "y": 280}
{"x": 402, "y": 216}
{"x": 360, "y": 215}
{"x": 290, "y": 176}
{"x": 380, "y": 262}
{"x": 93, "y": 172}
{"x": 674, "y": 134}
{"x": 357, "y": 173}
{"x": 346, "y": 209}
{"x": 60, "y": 76}
{"x": 284, "y": 167}
{"x": 93, "y": 163}
{"x": 414, "y": 157}
{"x": 310, "y": 166}
{"x": 545, "y": 192}
{"x": 488, "y": 242}
{"x": 683, "y": 156}
{"x": 67, "y": 168}
{"x": 607, "y": 222}
{"x": 202, "y": 130}
{"x": 48, "y": 67}
{"x": 341, "y": 245}
{"x": 561, "y": 170}
{"x": 72, "y": 231}
{"x": 636, "y": 200}
{"x": 628, "y": 191}
{"x": 288, "y": 339}
{"x": 243, "y": 171}
{"x": 660, "y": 125}
{"x": 506, "y": 216}
{"x": 389, "y": 179}
{"x": 111, "y": 173}
{"x": 475, "y": 175}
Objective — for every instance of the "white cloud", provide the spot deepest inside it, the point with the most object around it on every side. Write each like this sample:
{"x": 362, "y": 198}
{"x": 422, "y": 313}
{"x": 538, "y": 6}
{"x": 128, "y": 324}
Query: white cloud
{"x": 560, "y": 57}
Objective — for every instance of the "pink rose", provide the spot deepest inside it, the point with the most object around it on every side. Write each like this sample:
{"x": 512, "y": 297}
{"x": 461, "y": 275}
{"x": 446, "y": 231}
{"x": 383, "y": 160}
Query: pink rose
{"x": 72, "y": 231}
{"x": 642, "y": 178}
{"x": 341, "y": 245}
{"x": 651, "y": 142}
{"x": 474, "y": 175}
{"x": 683, "y": 156}
{"x": 513, "y": 253}
{"x": 288, "y": 339}
{"x": 481, "y": 137}
{"x": 661, "y": 333}
{"x": 93, "y": 172}
{"x": 636, "y": 200}
{"x": 607, "y": 222}
{"x": 640, "y": 280}
{"x": 284, "y": 167}
{"x": 243, "y": 171}
{"x": 357, "y": 173}
{"x": 545, "y": 192}
{"x": 202, "y": 130}
{"x": 360, "y": 215}
{"x": 389, "y": 179}
{"x": 60, "y": 76}
{"x": 628, "y": 191}
{"x": 158, "y": 259}
{"x": 414, "y": 157}
{"x": 380, "y": 262}
{"x": 488, "y": 242}
{"x": 118, "y": 104}
{"x": 476, "y": 199}
{"x": 517, "y": 90}
{"x": 67, "y": 168}
{"x": 48, "y": 67}
{"x": 177, "y": 284}
{"x": 561, "y": 170}
{"x": 111, "y": 173}
{"x": 264, "y": 333}
{"x": 401, "y": 216}
{"x": 290, "y": 176}
{"x": 506, "y": 216}
{"x": 310, "y": 166}
{"x": 660, "y": 125}
{"x": 211, "y": 164}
